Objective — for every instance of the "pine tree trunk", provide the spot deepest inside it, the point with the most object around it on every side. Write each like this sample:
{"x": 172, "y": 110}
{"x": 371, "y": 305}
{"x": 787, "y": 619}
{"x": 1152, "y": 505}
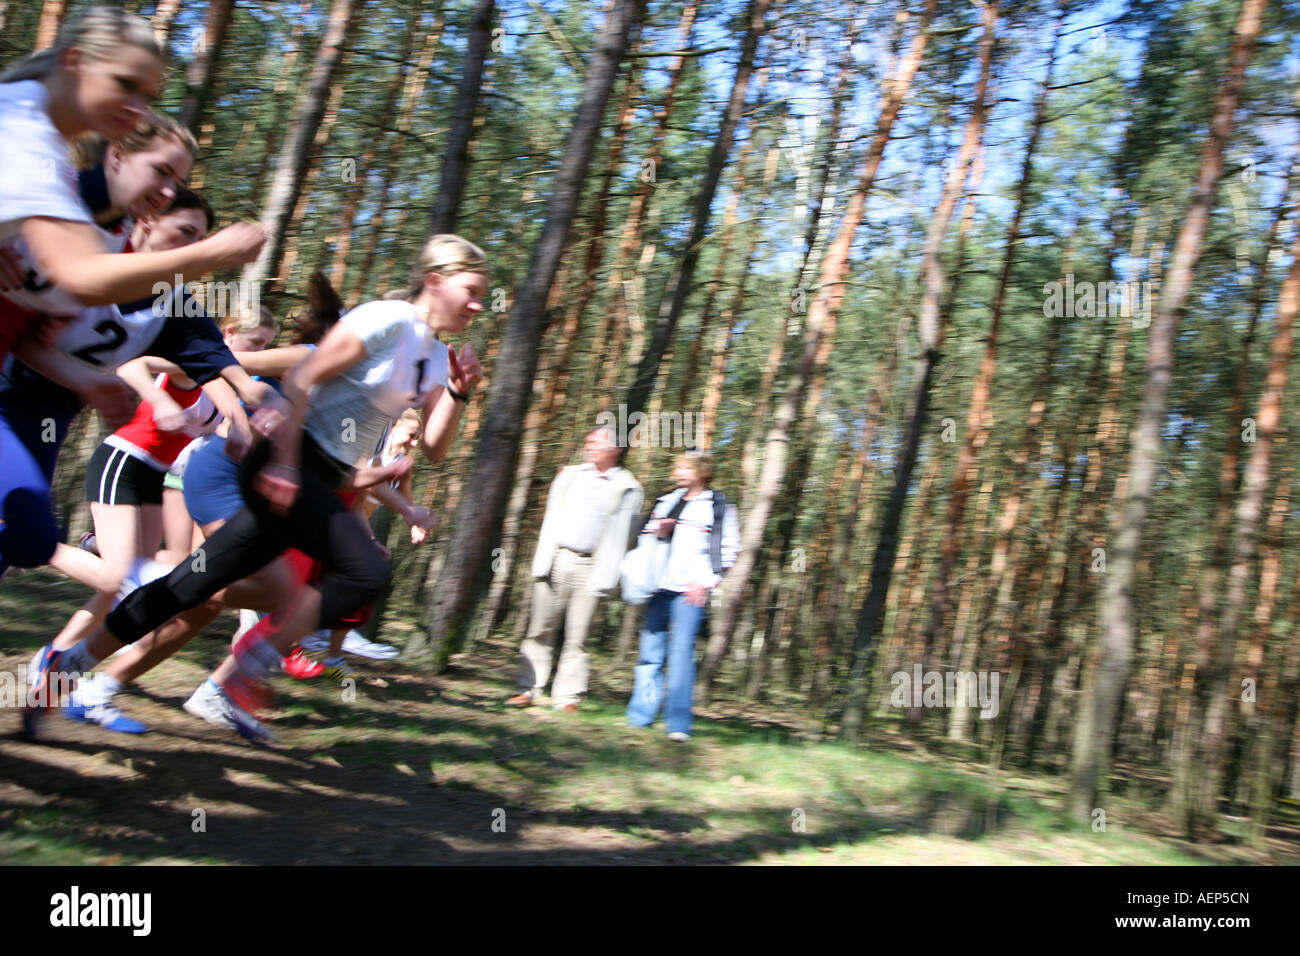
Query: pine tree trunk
{"x": 1052, "y": 555}
{"x": 979, "y": 416}
{"x": 282, "y": 98}
{"x": 164, "y": 20}
{"x": 1204, "y": 611}
{"x": 294, "y": 226}
{"x": 815, "y": 229}
{"x": 711, "y": 294}
{"x": 1079, "y": 542}
{"x": 1256, "y": 722}
{"x": 1002, "y": 605}
{"x": 68, "y": 489}
{"x": 777, "y": 605}
{"x": 1278, "y": 713}
{"x": 860, "y": 484}
{"x": 52, "y": 14}
{"x": 360, "y": 172}
{"x": 908, "y": 565}
{"x": 935, "y": 308}
{"x": 711, "y": 401}
{"x": 415, "y": 84}
{"x": 455, "y": 160}
{"x": 1212, "y": 731}
{"x": 524, "y": 490}
{"x": 296, "y": 154}
{"x": 966, "y": 651}
{"x": 202, "y": 71}
{"x": 601, "y": 382}
{"x": 478, "y": 519}
{"x": 842, "y": 546}
{"x": 776, "y": 354}
{"x": 822, "y": 317}
{"x": 1095, "y": 732}
{"x": 679, "y": 283}
{"x": 555, "y": 381}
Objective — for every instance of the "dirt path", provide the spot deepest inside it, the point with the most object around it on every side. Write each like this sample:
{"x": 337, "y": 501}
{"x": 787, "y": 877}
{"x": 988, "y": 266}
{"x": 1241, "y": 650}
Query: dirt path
{"x": 348, "y": 781}
{"x": 407, "y": 768}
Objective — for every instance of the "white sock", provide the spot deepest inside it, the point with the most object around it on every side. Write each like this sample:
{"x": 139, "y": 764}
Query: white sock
{"x": 87, "y": 693}
{"x": 108, "y": 686}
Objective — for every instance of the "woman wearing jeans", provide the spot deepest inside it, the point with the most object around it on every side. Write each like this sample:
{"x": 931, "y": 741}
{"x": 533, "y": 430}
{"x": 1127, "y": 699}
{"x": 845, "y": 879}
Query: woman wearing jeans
{"x": 684, "y": 519}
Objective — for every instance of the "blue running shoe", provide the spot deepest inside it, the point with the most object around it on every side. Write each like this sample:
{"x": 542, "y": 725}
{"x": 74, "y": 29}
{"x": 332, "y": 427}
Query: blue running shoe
{"x": 77, "y": 712}
{"x": 106, "y": 715}
{"x": 110, "y": 718}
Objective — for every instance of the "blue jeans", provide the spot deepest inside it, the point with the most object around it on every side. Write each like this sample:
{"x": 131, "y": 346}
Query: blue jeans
{"x": 670, "y": 624}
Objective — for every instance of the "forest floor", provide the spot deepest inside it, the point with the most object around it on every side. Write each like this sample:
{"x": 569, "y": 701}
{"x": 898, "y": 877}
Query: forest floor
{"x": 421, "y": 769}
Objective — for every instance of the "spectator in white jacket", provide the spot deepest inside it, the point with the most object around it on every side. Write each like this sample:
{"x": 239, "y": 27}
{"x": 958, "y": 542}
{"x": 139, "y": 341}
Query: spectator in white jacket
{"x": 702, "y": 534}
{"x": 591, "y": 511}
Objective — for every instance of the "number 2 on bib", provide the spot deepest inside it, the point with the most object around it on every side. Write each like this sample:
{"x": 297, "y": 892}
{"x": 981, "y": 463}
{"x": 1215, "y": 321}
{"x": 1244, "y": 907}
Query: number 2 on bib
{"x": 116, "y": 336}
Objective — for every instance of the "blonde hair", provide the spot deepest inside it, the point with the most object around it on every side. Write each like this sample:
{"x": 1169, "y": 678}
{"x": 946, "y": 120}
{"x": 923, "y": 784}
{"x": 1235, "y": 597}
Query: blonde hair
{"x": 244, "y": 319}
{"x": 99, "y": 33}
{"x": 701, "y": 461}
{"x": 445, "y": 254}
{"x": 409, "y": 417}
{"x": 89, "y": 149}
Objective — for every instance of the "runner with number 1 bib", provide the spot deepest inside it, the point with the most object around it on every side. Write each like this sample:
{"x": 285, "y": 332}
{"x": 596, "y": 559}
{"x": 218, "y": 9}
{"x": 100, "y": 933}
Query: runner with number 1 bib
{"x": 382, "y": 358}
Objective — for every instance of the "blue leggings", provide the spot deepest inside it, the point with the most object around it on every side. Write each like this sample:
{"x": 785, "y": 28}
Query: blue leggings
{"x": 29, "y": 449}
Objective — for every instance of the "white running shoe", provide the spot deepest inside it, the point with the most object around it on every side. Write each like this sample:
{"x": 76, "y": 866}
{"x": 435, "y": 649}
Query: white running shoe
{"x": 353, "y": 643}
{"x": 207, "y": 706}
{"x": 217, "y": 708}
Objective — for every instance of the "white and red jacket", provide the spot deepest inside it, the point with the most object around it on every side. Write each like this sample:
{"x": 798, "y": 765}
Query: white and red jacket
{"x": 142, "y": 439}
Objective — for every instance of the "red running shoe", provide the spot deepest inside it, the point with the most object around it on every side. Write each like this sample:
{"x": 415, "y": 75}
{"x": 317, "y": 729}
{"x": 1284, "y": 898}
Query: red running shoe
{"x": 250, "y": 693}
{"x": 301, "y": 667}
{"x": 248, "y": 686}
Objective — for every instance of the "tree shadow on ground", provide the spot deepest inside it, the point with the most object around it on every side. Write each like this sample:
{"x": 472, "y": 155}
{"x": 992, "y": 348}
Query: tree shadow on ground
{"x": 349, "y": 803}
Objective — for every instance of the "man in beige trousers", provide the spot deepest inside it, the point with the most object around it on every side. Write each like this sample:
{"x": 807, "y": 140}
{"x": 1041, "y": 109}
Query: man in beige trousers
{"x": 590, "y": 513}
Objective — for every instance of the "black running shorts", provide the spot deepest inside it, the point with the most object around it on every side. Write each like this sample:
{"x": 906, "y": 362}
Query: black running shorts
{"x": 115, "y": 478}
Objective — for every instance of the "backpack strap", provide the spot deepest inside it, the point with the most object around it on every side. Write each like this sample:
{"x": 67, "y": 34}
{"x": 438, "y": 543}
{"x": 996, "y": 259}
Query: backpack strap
{"x": 715, "y": 535}
{"x": 672, "y": 512}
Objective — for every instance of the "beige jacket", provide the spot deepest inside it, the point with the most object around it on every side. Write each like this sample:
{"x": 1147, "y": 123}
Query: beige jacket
{"x": 624, "y": 511}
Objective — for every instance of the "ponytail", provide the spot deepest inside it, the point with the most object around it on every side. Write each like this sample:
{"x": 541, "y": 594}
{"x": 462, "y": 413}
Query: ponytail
{"x": 323, "y": 310}
{"x": 34, "y": 66}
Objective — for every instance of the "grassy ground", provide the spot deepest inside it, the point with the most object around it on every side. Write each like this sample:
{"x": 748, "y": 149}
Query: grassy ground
{"x": 406, "y": 768}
